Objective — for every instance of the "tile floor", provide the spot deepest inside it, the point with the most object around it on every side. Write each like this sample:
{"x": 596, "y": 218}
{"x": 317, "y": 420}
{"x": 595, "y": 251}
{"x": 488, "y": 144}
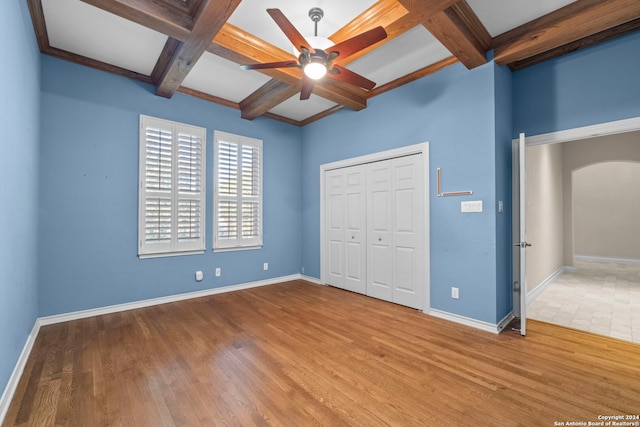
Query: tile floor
{"x": 603, "y": 298}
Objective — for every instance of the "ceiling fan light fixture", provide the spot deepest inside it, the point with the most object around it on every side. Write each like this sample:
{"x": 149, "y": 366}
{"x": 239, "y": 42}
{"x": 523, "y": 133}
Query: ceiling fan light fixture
{"x": 315, "y": 70}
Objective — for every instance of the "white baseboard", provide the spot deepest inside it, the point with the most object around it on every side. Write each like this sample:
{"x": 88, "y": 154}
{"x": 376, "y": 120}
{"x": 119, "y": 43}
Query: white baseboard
{"x": 478, "y": 324}
{"x": 311, "y": 279}
{"x": 58, "y": 318}
{"x": 14, "y": 379}
{"x": 538, "y": 290}
{"x": 10, "y": 389}
{"x": 590, "y": 258}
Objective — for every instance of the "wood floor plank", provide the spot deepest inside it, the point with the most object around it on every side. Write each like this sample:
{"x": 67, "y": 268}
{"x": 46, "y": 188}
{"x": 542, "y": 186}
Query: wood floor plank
{"x": 301, "y": 354}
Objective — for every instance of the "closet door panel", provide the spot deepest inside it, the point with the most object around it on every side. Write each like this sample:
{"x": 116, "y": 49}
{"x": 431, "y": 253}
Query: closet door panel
{"x": 334, "y": 225}
{"x": 379, "y": 227}
{"x": 408, "y": 231}
{"x": 355, "y": 230}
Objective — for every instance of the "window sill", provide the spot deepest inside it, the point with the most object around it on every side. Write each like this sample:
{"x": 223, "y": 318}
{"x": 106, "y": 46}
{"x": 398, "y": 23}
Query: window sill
{"x": 238, "y": 248}
{"x": 168, "y": 254}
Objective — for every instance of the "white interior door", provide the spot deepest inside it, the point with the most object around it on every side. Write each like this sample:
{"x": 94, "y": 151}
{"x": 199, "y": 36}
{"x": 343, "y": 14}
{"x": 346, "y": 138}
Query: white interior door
{"x": 345, "y": 222}
{"x": 520, "y": 234}
{"x": 335, "y": 228}
{"x": 395, "y": 231}
{"x": 355, "y": 229}
{"x": 408, "y": 231}
{"x": 379, "y": 227}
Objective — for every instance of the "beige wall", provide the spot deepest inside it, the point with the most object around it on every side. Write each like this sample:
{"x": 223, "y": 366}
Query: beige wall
{"x": 544, "y": 213}
{"x": 602, "y": 185}
{"x": 579, "y": 154}
{"x": 606, "y": 210}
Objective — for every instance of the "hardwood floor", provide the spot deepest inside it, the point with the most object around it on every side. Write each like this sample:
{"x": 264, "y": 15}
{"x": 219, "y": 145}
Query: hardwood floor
{"x": 302, "y": 354}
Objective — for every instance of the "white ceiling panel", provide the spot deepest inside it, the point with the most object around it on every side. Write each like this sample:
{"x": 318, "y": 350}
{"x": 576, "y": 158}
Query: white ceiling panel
{"x": 499, "y": 16}
{"x": 77, "y": 27}
{"x": 295, "y": 109}
{"x": 222, "y": 78}
{"x": 252, "y": 17}
{"x": 409, "y": 52}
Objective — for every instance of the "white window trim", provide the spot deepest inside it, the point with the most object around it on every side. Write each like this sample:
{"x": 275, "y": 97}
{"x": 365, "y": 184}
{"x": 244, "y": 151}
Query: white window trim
{"x": 173, "y": 247}
{"x": 224, "y": 245}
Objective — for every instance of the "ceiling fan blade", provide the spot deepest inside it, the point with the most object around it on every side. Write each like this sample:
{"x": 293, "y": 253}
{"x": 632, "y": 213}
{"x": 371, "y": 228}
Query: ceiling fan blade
{"x": 289, "y": 30}
{"x": 359, "y": 42}
{"x": 350, "y": 77}
{"x": 307, "y": 87}
{"x": 280, "y": 64}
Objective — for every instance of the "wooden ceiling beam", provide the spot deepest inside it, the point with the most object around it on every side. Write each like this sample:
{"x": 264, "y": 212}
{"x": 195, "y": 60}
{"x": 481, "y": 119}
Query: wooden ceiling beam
{"x": 388, "y": 14}
{"x": 600, "y": 37}
{"x": 154, "y": 15}
{"x": 170, "y": 48}
{"x": 209, "y": 20}
{"x": 469, "y": 22}
{"x": 575, "y": 21}
{"x": 458, "y": 28}
{"x": 273, "y": 93}
{"x": 236, "y": 45}
{"x": 39, "y": 26}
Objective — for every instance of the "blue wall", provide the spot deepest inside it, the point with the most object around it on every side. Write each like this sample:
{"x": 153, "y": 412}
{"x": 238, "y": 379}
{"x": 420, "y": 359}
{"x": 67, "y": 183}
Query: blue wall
{"x": 594, "y": 85}
{"x": 89, "y": 199}
{"x": 454, "y": 110}
{"x": 19, "y": 120}
{"x": 504, "y": 247}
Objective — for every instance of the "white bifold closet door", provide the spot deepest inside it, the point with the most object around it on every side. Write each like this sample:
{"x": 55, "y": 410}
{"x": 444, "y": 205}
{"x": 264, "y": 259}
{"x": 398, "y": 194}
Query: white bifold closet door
{"x": 375, "y": 219}
{"x": 395, "y": 230}
{"x": 346, "y": 233}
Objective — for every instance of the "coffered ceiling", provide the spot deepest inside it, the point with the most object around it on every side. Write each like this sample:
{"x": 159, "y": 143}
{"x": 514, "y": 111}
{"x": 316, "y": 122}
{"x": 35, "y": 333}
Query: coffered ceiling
{"x": 196, "y": 46}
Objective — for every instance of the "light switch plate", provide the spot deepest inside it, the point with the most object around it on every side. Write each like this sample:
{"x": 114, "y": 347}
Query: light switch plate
{"x": 471, "y": 206}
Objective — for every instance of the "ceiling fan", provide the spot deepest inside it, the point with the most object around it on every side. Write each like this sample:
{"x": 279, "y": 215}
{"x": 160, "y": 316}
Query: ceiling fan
{"x": 317, "y": 61}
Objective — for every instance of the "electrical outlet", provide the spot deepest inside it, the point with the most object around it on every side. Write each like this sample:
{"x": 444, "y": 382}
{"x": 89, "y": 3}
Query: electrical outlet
{"x": 455, "y": 293}
{"x": 218, "y": 272}
{"x": 265, "y": 266}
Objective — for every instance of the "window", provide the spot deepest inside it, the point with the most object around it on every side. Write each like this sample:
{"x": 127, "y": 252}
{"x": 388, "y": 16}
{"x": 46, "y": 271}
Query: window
{"x": 237, "y": 196}
{"x": 171, "y": 204}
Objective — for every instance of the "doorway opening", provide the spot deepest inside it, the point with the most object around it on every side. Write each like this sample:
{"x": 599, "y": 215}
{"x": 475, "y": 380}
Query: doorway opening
{"x": 583, "y": 199}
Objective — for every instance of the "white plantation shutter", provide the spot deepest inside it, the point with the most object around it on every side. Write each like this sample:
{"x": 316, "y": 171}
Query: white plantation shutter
{"x": 172, "y": 181}
{"x": 237, "y": 194}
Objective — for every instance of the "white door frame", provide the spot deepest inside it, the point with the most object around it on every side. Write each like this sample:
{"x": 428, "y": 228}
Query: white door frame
{"x": 423, "y": 149}
{"x": 585, "y": 132}
{"x": 520, "y": 233}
